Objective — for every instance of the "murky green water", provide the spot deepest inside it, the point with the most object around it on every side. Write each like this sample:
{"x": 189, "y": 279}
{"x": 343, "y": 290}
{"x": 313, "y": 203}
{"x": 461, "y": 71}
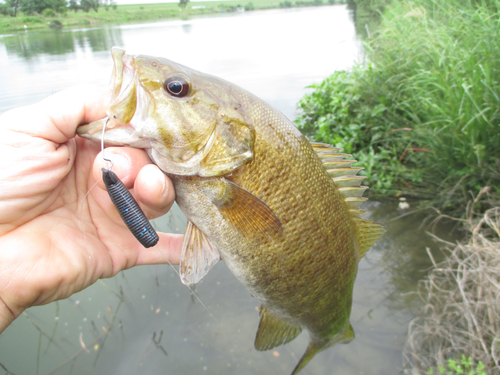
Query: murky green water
{"x": 144, "y": 321}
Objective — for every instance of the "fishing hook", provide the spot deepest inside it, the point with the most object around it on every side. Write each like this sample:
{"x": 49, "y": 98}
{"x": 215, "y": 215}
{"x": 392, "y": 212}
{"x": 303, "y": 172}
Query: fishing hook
{"x": 130, "y": 211}
{"x": 102, "y": 145}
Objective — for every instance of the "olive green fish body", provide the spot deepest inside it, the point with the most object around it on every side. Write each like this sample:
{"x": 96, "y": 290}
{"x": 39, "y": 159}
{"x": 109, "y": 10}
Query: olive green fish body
{"x": 282, "y": 213}
{"x": 306, "y": 273}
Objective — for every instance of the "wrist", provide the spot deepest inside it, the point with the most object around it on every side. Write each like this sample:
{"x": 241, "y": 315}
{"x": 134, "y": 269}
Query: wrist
{"x": 7, "y": 316}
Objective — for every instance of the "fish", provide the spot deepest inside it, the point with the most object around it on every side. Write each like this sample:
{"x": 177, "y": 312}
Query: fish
{"x": 282, "y": 212}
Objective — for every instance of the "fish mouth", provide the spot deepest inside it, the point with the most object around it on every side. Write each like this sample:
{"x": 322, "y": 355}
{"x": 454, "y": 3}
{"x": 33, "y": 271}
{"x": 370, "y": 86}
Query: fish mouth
{"x": 124, "y": 103}
{"x": 134, "y": 120}
{"x": 124, "y": 84}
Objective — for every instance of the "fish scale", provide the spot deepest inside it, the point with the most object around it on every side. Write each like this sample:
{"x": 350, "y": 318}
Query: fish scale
{"x": 282, "y": 212}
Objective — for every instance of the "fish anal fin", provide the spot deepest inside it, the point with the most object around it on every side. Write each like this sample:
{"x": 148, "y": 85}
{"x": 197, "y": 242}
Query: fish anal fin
{"x": 274, "y": 331}
{"x": 198, "y": 255}
{"x": 247, "y": 212}
{"x": 368, "y": 233}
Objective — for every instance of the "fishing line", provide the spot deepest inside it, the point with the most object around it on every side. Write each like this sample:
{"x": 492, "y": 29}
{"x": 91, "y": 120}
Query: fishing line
{"x": 128, "y": 208}
{"x": 139, "y": 225}
{"x": 211, "y": 315}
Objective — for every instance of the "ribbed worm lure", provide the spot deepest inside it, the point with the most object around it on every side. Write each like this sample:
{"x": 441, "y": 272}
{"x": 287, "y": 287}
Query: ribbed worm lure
{"x": 127, "y": 206}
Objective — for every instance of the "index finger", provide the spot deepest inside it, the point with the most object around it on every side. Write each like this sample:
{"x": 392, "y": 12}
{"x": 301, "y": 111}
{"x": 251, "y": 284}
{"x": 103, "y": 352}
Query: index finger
{"x": 57, "y": 117}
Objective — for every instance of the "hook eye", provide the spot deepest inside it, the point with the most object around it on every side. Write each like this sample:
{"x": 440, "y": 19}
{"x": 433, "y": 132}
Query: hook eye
{"x": 102, "y": 145}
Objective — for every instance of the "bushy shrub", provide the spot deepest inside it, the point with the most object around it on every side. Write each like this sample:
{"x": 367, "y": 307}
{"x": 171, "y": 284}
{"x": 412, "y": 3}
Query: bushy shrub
{"x": 48, "y": 13}
{"x": 425, "y": 113}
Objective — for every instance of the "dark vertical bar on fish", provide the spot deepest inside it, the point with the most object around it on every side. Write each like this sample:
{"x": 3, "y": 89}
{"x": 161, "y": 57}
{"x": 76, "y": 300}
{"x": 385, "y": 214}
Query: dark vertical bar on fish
{"x": 129, "y": 209}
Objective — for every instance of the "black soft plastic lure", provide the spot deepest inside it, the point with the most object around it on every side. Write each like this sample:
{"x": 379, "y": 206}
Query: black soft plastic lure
{"x": 127, "y": 206}
{"x": 129, "y": 209}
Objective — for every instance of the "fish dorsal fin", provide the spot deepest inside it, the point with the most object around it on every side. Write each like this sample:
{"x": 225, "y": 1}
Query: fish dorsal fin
{"x": 349, "y": 185}
{"x": 274, "y": 331}
{"x": 198, "y": 255}
{"x": 338, "y": 166}
{"x": 245, "y": 211}
{"x": 368, "y": 233}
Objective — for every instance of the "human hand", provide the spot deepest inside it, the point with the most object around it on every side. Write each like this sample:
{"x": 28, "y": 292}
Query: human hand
{"x": 58, "y": 232}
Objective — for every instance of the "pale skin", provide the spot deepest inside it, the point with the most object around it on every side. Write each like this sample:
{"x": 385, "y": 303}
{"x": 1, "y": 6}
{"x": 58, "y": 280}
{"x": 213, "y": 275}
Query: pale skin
{"x": 59, "y": 231}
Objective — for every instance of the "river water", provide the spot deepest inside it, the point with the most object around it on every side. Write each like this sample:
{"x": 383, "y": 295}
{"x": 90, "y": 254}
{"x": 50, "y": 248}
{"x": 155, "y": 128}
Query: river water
{"x": 144, "y": 321}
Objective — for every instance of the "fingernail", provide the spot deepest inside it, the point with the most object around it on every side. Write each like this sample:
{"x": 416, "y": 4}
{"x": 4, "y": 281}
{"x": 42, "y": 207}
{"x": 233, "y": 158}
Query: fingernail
{"x": 120, "y": 164}
{"x": 164, "y": 187}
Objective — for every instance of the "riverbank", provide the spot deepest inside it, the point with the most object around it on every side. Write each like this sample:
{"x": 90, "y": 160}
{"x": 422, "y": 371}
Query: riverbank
{"x": 421, "y": 115}
{"x": 457, "y": 330}
{"x": 122, "y": 14}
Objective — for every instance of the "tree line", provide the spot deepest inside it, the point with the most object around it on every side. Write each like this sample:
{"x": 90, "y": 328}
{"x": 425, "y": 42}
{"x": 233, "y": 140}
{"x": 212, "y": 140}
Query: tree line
{"x": 49, "y": 7}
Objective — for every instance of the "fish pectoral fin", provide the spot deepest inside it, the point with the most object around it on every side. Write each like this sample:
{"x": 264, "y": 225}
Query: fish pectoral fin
{"x": 368, "y": 233}
{"x": 247, "y": 212}
{"x": 198, "y": 255}
{"x": 274, "y": 331}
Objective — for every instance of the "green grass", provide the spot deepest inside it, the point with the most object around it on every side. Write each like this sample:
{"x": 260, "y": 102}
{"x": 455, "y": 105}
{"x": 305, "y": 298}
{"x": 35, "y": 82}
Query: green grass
{"x": 424, "y": 115}
{"x": 134, "y": 13}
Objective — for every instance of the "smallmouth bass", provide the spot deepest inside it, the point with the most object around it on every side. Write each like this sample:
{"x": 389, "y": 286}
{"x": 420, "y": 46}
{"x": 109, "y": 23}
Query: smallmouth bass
{"x": 282, "y": 212}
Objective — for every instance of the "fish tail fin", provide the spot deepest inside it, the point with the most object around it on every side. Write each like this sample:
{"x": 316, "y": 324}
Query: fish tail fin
{"x": 315, "y": 347}
{"x": 311, "y": 351}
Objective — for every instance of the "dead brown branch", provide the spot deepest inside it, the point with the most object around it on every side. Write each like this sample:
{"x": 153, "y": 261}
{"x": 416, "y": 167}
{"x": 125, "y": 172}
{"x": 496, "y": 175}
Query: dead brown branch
{"x": 461, "y": 295}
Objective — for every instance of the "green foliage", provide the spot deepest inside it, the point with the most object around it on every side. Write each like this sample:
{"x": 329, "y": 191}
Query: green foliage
{"x": 183, "y": 3}
{"x": 38, "y": 6}
{"x": 73, "y": 5}
{"x": 337, "y": 113}
{"x": 466, "y": 366}
{"x": 5, "y": 9}
{"x": 127, "y": 13}
{"x": 48, "y": 13}
{"x": 87, "y": 5}
{"x": 108, "y": 4}
{"x": 32, "y": 19}
{"x": 55, "y": 24}
{"x": 427, "y": 108}
{"x": 11, "y": 7}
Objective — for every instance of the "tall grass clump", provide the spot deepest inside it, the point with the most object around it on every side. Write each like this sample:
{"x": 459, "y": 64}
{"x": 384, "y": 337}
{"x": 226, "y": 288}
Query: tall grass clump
{"x": 423, "y": 114}
{"x": 461, "y": 314}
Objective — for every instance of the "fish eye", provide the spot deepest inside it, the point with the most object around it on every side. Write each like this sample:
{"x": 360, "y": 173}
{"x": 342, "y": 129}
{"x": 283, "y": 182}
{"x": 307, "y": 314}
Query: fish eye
{"x": 177, "y": 86}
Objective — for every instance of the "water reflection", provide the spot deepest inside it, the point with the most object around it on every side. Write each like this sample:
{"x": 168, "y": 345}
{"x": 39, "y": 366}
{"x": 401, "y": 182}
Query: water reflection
{"x": 115, "y": 326}
{"x": 29, "y": 45}
{"x": 187, "y": 27}
{"x": 144, "y": 319}
{"x": 403, "y": 252}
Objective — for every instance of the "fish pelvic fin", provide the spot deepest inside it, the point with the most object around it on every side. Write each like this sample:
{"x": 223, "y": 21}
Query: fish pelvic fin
{"x": 368, "y": 233}
{"x": 198, "y": 255}
{"x": 315, "y": 347}
{"x": 274, "y": 331}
